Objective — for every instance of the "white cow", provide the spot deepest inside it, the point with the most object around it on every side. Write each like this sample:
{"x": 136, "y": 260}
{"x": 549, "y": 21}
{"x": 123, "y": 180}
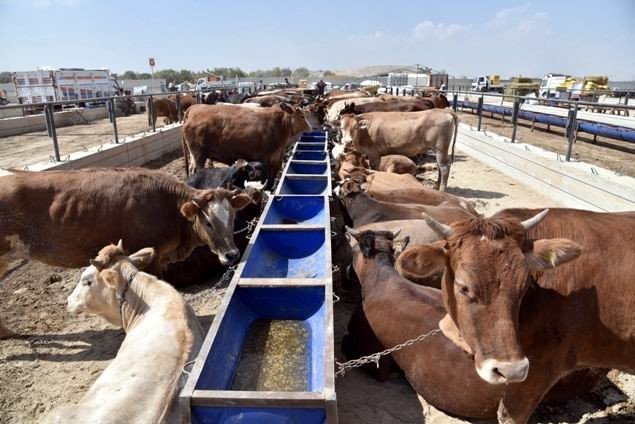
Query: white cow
{"x": 162, "y": 334}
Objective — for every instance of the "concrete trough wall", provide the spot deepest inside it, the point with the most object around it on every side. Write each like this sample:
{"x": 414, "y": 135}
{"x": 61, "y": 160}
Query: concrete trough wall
{"x": 573, "y": 184}
{"x": 136, "y": 151}
{"x": 27, "y": 124}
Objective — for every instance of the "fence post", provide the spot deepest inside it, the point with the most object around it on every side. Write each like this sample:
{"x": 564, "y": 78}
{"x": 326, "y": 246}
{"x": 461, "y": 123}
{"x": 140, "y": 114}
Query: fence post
{"x": 571, "y": 127}
{"x": 50, "y": 128}
{"x": 151, "y": 113}
{"x": 479, "y": 111}
{"x": 515, "y": 111}
{"x": 179, "y": 109}
{"x": 113, "y": 118}
{"x": 455, "y": 101}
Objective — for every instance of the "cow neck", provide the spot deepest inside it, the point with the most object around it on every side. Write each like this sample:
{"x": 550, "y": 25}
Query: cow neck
{"x": 132, "y": 305}
{"x": 376, "y": 269}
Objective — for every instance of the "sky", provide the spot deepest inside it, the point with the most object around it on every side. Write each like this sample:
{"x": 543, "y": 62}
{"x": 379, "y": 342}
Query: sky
{"x": 464, "y": 38}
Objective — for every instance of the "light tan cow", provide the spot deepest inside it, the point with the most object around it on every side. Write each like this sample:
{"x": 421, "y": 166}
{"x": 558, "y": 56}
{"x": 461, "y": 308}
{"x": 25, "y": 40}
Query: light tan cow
{"x": 406, "y": 133}
{"x": 162, "y": 334}
{"x": 333, "y": 111}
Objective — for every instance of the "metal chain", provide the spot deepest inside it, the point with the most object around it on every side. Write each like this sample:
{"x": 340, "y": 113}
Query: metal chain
{"x": 343, "y": 367}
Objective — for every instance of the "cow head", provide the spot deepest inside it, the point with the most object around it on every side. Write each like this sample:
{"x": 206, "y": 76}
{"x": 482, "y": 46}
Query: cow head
{"x": 104, "y": 281}
{"x": 349, "y": 108}
{"x": 315, "y": 114}
{"x": 440, "y": 101}
{"x": 489, "y": 267}
{"x": 248, "y": 171}
{"x": 297, "y": 119}
{"x": 367, "y": 244}
{"x": 212, "y": 213}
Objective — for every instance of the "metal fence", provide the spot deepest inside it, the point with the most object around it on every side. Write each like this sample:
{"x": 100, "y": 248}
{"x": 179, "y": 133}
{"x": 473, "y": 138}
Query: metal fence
{"x": 572, "y": 124}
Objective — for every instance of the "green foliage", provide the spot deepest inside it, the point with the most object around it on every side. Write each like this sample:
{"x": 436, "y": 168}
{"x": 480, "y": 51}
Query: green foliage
{"x": 328, "y": 73}
{"x": 5, "y": 77}
{"x": 301, "y": 73}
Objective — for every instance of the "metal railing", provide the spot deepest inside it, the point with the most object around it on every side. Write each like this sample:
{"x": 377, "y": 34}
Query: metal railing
{"x": 48, "y": 109}
{"x": 572, "y": 121}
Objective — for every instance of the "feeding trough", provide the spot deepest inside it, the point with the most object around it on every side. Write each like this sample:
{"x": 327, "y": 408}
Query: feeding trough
{"x": 309, "y": 155}
{"x": 268, "y": 356}
{"x": 294, "y": 210}
{"x": 305, "y": 184}
{"x": 306, "y": 167}
{"x": 310, "y": 146}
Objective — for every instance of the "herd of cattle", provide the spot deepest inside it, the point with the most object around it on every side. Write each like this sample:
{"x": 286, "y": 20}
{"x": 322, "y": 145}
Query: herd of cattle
{"x": 531, "y": 304}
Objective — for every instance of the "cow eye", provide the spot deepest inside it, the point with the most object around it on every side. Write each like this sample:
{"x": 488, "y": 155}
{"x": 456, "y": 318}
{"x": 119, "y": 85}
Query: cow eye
{"x": 207, "y": 224}
{"x": 88, "y": 283}
{"x": 463, "y": 289}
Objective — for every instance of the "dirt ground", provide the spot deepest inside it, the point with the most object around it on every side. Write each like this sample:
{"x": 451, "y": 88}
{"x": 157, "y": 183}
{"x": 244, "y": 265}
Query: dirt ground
{"x": 606, "y": 153}
{"x": 59, "y": 356}
{"x": 22, "y": 150}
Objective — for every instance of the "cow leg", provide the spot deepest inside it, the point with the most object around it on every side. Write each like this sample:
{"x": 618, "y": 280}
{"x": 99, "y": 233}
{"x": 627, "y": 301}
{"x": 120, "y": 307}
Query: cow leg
{"x": 443, "y": 172}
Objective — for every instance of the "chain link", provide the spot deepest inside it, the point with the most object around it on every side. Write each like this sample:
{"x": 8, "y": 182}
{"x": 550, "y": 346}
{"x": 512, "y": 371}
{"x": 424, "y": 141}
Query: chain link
{"x": 344, "y": 367}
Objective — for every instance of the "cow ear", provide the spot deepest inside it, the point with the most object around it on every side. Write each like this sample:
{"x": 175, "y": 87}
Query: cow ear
{"x": 549, "y": 253}
{"x": 286, "y": 107}
{"x": 142, "y": 258}
{"x": 363, "y": 124}
{"x": 112, "y": 278}
{"x": 367, "y": 244}
{"x": 451, "y": 331}
{"x": 400, "y": 245}
{"x": 240, "y": 201}
{"x": 189, "y": 210}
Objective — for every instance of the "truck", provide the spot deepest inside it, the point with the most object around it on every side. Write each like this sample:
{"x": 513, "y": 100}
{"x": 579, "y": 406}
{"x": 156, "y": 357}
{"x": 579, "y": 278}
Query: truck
{"x": 488, "y": 83}
{"x": 51, "y": 85}
{"x": 549, "y": 85}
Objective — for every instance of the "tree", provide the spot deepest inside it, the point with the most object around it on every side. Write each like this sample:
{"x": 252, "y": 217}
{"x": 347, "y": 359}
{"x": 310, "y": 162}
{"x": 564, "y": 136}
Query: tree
{"x": 301, "y": 73}
{"x": 129, "y": 75}
{"x": 144, "y": 75}
{"x": 170, "y": 75}
{"x": 328, "y": 73}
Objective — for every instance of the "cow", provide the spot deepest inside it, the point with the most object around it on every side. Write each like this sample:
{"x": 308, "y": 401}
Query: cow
{"x": 226, "y": 133}
{"x": 162, "y": 335}
{"x": 397, "y": 164}
{"x": 404, "y": 188}
{"x": 402, "y": 104}
{"x": 394, "y": 310}
{"x": 333, "y": 109}
{"x": 407, "y": 133}
{"x": 186, "y": 101}
{"x": 62, "y": 218}
{"x": 363, "y": 209}
{"x": 236, "y": 175}
{"x": 161, "y": 106}
{"x": 537, "y": 294}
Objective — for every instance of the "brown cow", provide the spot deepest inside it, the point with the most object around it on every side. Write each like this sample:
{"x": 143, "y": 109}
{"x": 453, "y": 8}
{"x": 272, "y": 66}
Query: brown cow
{"x": 63, "y": 218}
{"x": 528, "y": 309}
{"x": 397, "y": 164}
{"x": 399, "y": 104}
{"x": 407, "y": 133}
{"x": 395, "y": 310}
{"x": 363, "y": 209}
{"x": 162, "y": 106}
{"x": 226, "y": 133}
{"x": 404, "y": 188}
{"x": 186, "y": 100}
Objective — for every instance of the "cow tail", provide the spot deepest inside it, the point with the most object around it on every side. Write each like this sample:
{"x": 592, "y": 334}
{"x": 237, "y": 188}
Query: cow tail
{"x": 186, "y": 152}
{"x": 149, "y": 110}
{"x": 455, "y": 117}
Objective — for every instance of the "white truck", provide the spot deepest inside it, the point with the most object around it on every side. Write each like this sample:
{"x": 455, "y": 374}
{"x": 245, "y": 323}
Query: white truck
{"x": 488, "y": 83}
{"x": 549, "y": 85}
{"x": 50, "y": 85}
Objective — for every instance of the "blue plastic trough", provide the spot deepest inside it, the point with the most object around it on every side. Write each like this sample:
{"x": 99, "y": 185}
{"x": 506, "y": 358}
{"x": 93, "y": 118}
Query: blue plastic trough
{"x": 305, "y": 184}
{"x": 293, "y": 210}
{"x": 594, "y": 128}
{"x": 281, "y": 293}
{"x": 307, "y": 167}
{"x": 310, "y": 155}
{"x": 311, "y": 146}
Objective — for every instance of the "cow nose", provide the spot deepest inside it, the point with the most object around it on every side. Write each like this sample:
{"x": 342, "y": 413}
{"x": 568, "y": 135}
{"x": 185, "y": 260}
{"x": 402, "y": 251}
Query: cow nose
{"x": 503, "y": 372}
{"x": 231, "y": 257}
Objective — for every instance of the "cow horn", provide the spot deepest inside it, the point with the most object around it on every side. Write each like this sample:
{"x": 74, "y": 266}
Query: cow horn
{"x": 443, "y": 230}
{"x": 97, "y": 263}
{"x": 530, "y": 223}
{"x": 396, "y": 233}
{"x": 120, "y": 245}
{"x": 355, "y": 233}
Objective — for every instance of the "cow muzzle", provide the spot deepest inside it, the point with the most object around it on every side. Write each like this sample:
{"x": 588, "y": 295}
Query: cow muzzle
{"x": 229, "y": 258}
{"x": 503, "y": 372}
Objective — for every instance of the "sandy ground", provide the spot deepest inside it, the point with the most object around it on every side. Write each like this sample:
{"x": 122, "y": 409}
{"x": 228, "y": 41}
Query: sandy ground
{"x": 27, "y": 149}
{"x": 606, "y": 153}
{"x": 59, "y": 356}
